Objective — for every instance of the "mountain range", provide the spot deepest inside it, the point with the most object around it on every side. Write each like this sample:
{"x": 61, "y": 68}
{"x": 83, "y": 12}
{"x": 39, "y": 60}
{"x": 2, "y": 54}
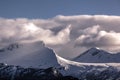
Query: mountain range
{"x": 93, "y": 62}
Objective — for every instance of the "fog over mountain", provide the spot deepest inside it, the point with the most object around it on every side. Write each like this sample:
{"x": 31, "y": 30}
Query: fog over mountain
{"x": 59, "y": 40}
{"x": 67, "y": 35}
{"x": 33, "y": 54}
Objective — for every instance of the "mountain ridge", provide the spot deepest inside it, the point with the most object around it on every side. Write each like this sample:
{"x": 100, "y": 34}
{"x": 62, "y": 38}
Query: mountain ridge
{"x": 34, "y": 54}
{"x": 97, "y": 55}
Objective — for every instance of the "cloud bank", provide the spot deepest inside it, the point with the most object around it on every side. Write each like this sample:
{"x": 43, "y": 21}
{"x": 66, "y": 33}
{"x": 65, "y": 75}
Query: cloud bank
{"x": 94, "y": 37}
{"x": 66, "y": 34}
{"x": 24, "y": 30}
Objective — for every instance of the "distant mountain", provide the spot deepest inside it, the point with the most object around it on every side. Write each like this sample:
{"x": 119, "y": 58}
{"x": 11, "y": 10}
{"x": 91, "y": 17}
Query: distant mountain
{"x": 96, "y": 55}
{"x": 90, "y": 71}
{"x": 34, "y": 54}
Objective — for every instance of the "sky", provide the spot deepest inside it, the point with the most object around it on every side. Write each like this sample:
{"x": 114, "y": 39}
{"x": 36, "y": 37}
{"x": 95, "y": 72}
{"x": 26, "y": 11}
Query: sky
{"x": 69, "y": 27}
{"x": 50, "y": 8}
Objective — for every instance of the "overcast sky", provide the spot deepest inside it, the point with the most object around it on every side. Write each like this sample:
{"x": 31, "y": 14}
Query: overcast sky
{"x": 68, "y": 26}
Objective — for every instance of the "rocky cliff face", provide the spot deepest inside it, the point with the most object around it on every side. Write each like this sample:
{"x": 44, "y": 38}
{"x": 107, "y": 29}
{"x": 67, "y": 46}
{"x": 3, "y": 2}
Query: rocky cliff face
{"x": 10, "y": 72}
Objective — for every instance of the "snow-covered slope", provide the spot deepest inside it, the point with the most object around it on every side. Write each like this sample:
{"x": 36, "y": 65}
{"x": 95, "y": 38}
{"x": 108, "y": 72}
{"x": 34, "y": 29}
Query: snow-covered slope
{"x": 33, "y": 54}
{"x": 89, "y": 71}
{"x": 36, "y": 54}
{"x": 96, "y": 55}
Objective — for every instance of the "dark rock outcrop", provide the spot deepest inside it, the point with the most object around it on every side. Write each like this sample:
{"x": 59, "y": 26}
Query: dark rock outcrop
{"x": 10, "y": 72}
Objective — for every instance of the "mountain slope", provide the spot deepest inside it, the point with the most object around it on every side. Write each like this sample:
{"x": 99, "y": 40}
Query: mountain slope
{"x": 89, "y": 71}
{"x": 37, "y": 55}
{"x": 95, "y": 55}
{"x": 33, "y": 54}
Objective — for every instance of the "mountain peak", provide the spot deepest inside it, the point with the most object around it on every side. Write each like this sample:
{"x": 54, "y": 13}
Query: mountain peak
{"x": 34, "y": 54}
{"x": 94, "y": 48}
{"x": 97, "y": 55}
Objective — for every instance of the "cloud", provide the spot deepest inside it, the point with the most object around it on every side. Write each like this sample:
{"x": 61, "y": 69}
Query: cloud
{"x": 95, "y": 37}
{"x": 49, "y": 38}
{"x": 30, "y": 32}
{"x": 64, "y": 32}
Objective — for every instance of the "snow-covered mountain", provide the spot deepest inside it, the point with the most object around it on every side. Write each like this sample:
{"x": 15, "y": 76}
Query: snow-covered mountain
{"x": 96, "y": 55}
{"x": 90, "y": 71}
{"x": 34, "y": 54}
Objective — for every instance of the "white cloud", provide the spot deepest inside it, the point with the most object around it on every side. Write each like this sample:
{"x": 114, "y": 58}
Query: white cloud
{"x": 30, "y": 32}
{"x": 94, "y": 37}
{"x": 87, "y": 31}
{"x": 49, "y": 38}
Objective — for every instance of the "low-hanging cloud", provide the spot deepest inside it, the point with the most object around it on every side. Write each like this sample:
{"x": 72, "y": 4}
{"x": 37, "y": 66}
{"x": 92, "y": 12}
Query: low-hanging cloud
{"x": 23, "y": 30}
{"x": 78, "y": 30}
{"x": 95, "y": 37}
